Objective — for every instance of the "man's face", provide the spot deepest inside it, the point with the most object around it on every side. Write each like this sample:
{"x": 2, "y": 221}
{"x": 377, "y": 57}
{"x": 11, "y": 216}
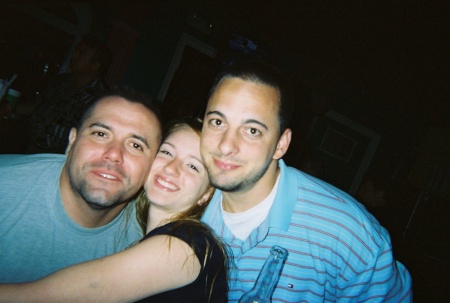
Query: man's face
{"x": 240, "y": 136}
{"x": 109, "y": 158}
{"x": 82, "y": 60}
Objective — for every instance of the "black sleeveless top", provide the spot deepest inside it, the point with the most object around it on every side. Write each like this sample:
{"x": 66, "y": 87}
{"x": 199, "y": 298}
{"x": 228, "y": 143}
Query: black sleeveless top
{"x": 211, "y": 260}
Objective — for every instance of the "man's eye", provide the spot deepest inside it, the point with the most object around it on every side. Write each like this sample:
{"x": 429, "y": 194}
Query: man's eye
{"x": 100, "y": 134}
{"x": 216, "y": 122}
{"x": 137, "y": 146}
{"x": 253, "y": 132}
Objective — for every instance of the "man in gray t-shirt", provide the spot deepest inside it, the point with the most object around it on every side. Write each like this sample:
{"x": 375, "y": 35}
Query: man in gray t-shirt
{"x": 58, "y": 210}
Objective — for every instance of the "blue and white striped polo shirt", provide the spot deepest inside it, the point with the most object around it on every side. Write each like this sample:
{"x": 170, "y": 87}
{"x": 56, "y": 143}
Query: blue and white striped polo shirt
{"x": 337, "y": 250}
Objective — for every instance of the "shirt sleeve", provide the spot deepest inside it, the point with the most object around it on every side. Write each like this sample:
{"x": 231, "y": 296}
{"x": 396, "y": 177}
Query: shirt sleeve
{"x": 378, "y": 278}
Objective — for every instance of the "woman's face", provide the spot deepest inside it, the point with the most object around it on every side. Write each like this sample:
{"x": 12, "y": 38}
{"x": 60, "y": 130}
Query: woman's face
{"x": 178, "y": 177}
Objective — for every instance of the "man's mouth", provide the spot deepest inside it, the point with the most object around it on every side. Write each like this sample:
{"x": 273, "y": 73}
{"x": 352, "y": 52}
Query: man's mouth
{"x": 225, "y": 166}
{"x": 108, "y": 176}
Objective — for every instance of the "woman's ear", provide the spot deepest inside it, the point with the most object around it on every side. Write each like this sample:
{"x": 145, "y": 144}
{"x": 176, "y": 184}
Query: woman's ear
{"x": 206, "y": 196}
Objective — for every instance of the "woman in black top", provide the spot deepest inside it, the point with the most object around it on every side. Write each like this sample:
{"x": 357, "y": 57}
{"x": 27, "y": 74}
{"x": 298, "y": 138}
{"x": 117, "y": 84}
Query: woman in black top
{"x": 179, "y": 260}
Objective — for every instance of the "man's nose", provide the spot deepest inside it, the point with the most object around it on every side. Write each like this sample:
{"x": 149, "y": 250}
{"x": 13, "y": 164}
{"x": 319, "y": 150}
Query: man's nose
{"x": 114, "y": 153}
{"x": 229, "y": 142}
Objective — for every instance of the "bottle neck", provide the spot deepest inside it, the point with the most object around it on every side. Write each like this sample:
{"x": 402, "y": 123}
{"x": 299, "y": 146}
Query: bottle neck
{"x": 270, "y": 273}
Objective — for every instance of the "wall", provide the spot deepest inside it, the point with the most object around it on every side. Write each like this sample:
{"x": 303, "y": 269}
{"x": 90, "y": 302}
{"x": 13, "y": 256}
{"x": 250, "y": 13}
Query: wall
{"x": 159, "y": 37}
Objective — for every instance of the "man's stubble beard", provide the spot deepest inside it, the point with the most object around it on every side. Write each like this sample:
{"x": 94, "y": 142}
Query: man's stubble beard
{"x": 98, "y": 200}
{"x": 238, "y": 185}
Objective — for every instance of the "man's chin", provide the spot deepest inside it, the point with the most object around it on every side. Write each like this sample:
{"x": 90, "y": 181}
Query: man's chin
{"x": 97, "y": 205}
{"x": 102, "y": 201}
{"x": 226, "y": 185}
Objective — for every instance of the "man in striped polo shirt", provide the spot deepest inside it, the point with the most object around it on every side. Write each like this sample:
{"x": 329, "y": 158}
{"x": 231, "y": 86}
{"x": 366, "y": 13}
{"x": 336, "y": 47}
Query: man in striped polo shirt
{"x": 337, "y": 250}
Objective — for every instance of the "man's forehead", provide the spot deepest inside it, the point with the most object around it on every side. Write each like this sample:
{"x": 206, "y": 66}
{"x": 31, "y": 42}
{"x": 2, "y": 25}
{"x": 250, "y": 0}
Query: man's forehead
{"x": 247, "y": 90}
{"x": 245, "y": 101}
{"x": 119, "y": 108}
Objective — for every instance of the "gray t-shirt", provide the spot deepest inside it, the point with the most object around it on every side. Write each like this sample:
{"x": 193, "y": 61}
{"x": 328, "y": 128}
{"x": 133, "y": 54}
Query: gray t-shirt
{"x": 37, "y": 237}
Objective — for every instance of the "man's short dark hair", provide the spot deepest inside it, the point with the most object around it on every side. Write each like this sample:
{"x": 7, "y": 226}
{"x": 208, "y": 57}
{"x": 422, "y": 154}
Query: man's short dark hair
{"x": 128, "y": 94}
{"x": 262, "y": 73}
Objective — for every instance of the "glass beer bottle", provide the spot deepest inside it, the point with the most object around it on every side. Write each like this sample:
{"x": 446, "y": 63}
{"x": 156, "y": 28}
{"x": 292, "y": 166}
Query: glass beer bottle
{"x": 268, "y": 277}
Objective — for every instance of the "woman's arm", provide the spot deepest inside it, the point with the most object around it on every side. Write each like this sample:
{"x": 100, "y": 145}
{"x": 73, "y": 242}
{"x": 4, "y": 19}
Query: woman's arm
{"x": 153, "y": 266}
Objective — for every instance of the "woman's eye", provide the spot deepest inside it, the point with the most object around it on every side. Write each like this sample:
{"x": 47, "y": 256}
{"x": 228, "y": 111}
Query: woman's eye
{"x": 165, "y": 152}
{"x": 193, "y": 167}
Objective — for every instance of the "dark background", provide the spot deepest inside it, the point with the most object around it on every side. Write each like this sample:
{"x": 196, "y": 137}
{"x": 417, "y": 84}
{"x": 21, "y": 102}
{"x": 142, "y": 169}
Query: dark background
{"x": 383, "y": 65}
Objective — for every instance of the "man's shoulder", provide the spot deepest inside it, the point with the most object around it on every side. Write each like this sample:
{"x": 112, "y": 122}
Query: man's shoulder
{"x": 315, "y": 193}
{"x": 29, "y": 177}
{"x": 12, "y": 160}
{"x": 313, "y": 185}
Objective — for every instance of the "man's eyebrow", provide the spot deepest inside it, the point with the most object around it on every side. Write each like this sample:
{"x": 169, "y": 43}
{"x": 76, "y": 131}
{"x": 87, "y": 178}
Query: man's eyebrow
{"x": 135, "y": 136}
{"x": 252, "y": 121}
{"x": 215, "y": 112}
{"x": 99, "y": 124}
{"x": 256, "y": 122}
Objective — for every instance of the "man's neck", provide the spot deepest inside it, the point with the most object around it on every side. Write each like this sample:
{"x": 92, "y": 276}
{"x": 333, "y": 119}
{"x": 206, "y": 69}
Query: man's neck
{"x": 79, "y": 211}
{"x": 235, "y": 202}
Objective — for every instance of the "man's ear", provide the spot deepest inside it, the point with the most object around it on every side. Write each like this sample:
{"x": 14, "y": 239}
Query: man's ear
{"x": 283, "y": 144}
{"x": 72, "y": 137}
{"x": 206, "y": 195}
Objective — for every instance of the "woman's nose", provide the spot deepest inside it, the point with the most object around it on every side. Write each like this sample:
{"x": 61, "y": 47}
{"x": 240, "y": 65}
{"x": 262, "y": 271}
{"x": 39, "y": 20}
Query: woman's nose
{"x": 172, "y": 167}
